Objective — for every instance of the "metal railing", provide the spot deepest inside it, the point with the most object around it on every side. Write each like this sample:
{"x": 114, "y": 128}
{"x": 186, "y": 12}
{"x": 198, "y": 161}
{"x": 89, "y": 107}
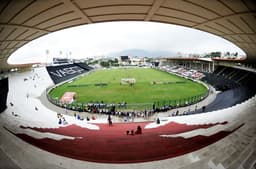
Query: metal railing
{"x": 155, "y": 106}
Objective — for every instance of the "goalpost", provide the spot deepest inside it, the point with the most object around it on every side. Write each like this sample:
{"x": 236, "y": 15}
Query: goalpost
{"x": 130, "y": 81}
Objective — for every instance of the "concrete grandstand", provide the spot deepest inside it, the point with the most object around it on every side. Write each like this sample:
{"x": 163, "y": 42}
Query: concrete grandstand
{"x": 218, "y": 139}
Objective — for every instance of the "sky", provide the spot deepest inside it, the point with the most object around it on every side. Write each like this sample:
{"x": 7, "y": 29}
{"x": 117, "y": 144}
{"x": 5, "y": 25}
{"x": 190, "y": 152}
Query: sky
{"x": 103, "y": 39}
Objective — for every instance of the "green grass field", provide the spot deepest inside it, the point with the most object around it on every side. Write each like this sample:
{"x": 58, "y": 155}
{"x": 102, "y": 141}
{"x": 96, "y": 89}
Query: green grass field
{"x": 143, "y": 91}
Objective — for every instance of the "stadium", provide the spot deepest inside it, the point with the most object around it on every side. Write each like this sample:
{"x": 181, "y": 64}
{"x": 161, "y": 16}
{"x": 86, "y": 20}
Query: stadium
{"x": 212, "y": 128}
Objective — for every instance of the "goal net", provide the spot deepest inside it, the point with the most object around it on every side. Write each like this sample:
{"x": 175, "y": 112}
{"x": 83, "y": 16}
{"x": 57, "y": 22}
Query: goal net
{"x": 128, "y": 81}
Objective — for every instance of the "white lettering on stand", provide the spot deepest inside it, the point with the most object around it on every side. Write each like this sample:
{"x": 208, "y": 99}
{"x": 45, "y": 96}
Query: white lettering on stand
{"x": 67, "y": 71}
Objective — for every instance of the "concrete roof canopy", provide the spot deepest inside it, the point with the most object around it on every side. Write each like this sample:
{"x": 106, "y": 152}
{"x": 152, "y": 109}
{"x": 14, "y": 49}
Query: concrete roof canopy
{"x": 26, "y": 20}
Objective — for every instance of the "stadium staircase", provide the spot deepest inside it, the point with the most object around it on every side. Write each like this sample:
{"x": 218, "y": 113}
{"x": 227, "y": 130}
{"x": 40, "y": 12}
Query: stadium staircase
{"x": 235, "y": 151}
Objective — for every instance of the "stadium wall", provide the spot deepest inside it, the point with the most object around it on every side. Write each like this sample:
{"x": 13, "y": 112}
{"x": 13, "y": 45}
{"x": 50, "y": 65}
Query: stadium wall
{"x": 4, "y": 88}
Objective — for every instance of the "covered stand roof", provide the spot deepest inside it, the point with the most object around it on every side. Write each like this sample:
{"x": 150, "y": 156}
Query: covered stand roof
{"x": 26, "y": 20}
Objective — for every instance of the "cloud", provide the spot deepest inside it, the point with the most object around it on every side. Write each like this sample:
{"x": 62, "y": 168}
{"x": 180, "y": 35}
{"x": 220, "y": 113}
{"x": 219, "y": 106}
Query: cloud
{"x": 104, "y": 38}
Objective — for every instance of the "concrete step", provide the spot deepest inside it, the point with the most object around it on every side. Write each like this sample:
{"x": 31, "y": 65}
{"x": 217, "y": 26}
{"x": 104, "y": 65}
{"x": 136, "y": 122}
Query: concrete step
{"x": 238, "y": 158}
{"x": 250, "y": 162}
{"x": 213, "y": 149}
{"x": 198, "y": 164}
{"x": 214, "y": 166}
{"x": 224, "y": 154}
{"x": 238, "y": 161}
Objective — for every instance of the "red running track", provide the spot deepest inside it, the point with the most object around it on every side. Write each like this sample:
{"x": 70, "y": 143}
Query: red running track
{"x": 110, "y": 144}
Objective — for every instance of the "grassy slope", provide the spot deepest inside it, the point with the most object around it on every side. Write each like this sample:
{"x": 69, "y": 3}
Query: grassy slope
{"x": 142, "y": 92}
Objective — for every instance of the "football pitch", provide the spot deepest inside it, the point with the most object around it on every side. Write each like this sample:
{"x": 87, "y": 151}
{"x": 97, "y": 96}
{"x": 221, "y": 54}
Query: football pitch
{"x": 151, "y": 86}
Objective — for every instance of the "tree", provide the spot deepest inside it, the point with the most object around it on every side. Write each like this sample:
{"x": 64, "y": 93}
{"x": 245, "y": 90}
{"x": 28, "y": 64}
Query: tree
{"x": 227, "y": 54}
{"x": 70, "y": 54}
{"x": 104, "y": 64}
{"x": 47, "y": 54}
{"x": 47, "y": 51}
{"x": 215, "y": 54}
